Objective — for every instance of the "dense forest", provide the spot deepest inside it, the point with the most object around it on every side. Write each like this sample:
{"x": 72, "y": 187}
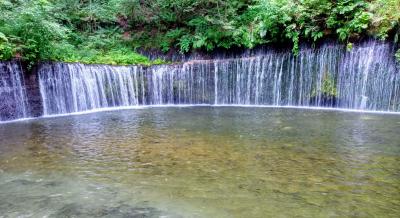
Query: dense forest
{"x": 112, "y": 31}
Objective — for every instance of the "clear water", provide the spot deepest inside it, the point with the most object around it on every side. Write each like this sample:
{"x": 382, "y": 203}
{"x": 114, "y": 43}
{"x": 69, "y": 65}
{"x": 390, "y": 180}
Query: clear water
{"x": 202, "y": 162}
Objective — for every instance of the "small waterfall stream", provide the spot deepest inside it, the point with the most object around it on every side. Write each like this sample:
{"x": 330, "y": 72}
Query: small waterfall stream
{"x": 13, "y": 101}
{"x": 365, "y": 78}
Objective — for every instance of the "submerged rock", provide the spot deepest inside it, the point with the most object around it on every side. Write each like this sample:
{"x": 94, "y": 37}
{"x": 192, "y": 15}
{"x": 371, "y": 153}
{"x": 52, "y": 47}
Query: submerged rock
{"x": 123, "y": 211}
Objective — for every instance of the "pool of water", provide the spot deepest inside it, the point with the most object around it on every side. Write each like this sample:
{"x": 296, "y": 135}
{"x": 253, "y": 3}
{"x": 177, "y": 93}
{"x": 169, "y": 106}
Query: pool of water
{"x": 202, "y": 162}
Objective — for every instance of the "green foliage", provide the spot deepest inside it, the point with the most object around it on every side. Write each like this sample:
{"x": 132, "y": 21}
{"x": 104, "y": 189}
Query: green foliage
{"x": 349, "y": 18}
{"x": 121, "y": 56}
{"x": 185, "y": 24}
{"x": 68, "y": 30}
{"x": 311, "y": 19}
{"x": 190, "y": 24}
{"x": 29, "y": 29}
{"x": 6, "y": 48}
{"x": 349, "y": 46}
{"x": 328, "y": 87}
{"x": 398, "y": 55}
{"x": 109, "y": 31}
{"x": 386, "y": 17}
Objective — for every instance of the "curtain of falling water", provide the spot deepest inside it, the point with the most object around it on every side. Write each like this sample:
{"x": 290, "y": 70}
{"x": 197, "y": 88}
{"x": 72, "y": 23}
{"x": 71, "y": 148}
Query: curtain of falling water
{"x": 67, "y": 88}
{"x": 365, "y": 78}
{"x": 13, "y": 102}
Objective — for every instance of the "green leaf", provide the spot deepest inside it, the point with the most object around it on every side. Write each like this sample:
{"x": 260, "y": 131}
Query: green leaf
{"x": 3, "y": 37}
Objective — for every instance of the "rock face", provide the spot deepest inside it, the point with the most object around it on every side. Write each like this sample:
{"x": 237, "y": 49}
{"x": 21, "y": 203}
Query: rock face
{"x": 34, "y": 97}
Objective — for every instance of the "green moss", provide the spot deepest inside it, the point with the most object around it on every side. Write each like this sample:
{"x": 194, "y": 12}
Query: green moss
{"x": 328, "y": 87}
{"x": 120, "y": 56}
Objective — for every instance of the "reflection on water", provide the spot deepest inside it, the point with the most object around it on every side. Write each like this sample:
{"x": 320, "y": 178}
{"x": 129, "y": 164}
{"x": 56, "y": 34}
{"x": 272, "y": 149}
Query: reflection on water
{"x": 202, "y": 162}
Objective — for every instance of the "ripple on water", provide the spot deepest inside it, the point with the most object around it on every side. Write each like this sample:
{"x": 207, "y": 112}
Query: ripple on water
{"x": 202, "y": 162}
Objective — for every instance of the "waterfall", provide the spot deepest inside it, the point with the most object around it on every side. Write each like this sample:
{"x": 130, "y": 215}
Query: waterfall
{"x": 364, "y": 78}
{"x": 12, "y": 92}
{"x": 69, "y": 88}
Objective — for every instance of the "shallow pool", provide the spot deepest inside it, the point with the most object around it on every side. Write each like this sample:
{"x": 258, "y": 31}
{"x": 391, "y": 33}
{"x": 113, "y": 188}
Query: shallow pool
{"x": 202, "y": 162}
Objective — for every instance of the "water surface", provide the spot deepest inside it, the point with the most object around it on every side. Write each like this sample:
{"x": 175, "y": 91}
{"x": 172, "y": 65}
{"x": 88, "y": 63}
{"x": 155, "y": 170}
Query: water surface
{"x": 202, "y": 162}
